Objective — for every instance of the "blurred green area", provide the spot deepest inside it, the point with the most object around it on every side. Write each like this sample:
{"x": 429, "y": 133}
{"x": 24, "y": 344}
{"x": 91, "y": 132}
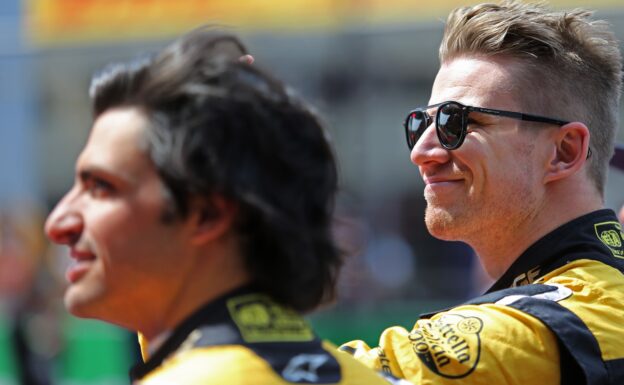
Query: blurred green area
{"x": 92, "y": 352}
{"x": 366, "y": 321}
{"x": 8, "y": 364}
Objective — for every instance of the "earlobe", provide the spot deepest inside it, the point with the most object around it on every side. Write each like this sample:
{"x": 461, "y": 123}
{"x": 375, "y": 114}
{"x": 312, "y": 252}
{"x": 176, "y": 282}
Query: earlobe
{"x": 569, "y": 151}
{"x": 212, "y": 219}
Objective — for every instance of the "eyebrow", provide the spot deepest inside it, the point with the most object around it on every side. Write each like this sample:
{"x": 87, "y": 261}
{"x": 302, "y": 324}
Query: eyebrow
{"x": 91, "y": 173}
{"x": 85, "y": 175}
{"x": 432, "y": 106}
{"x": 479, "y": 116}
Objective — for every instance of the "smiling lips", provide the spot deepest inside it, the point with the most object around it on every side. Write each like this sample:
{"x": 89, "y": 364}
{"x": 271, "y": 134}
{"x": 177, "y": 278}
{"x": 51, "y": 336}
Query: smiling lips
{"x": 81, "y": 263}
{"x": 433, "y": 182}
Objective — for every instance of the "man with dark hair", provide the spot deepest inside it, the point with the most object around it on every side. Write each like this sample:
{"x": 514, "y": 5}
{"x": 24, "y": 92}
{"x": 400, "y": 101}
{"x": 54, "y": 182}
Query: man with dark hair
{"x": 200, "y": 217}
{"x": 513, "y": 148}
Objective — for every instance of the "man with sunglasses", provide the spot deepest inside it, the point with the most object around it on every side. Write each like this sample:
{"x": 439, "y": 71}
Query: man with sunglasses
{"x": 513, "y": 149}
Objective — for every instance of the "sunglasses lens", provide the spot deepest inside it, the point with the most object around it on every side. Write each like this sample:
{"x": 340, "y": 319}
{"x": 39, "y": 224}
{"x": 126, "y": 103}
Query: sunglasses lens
{"x": 415, "y": 126}
{"x": 450, "y": 125}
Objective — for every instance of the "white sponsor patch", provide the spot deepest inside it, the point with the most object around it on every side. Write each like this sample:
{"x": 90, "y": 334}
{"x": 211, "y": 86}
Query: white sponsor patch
{"x": 561, "y": 293}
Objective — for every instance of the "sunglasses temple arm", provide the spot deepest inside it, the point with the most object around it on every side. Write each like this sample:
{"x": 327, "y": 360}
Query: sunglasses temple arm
{"x": 508, "y": 114}
{"x": 541, "y": 119}
{"x": 520, "y": 116}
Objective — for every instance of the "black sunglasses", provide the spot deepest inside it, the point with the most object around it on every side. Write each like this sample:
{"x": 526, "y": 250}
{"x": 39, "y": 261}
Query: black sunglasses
{"x": 451, "y": 122}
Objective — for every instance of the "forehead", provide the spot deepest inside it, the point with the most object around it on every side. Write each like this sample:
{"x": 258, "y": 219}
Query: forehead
{"x": 117, "y": 142}
{"x": 479, "y": 81}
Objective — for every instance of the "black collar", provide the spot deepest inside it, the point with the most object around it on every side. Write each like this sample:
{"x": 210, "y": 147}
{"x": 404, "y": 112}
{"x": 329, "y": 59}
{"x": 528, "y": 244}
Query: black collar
{"x": 597, "y": 235}
{"x": 213, "y": 313}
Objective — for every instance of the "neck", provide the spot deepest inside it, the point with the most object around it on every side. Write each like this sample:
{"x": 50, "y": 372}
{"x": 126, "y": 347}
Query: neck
{"x": 497, "y": 250}
{"x": 216, "y": 272}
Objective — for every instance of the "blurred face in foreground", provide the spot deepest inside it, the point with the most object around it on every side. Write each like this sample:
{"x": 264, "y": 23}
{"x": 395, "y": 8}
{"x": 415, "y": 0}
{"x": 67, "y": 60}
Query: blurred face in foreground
{"x": 127, "y": 263}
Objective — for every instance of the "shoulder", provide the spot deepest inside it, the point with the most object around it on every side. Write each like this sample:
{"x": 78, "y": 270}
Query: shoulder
{"x": 232, "y": 364}
{"x": 585, "y": 292}
{"x": 597, "y": 298}
{"x": 238, "y": 364}
{"x": 256, "y": 341}
{"x": 588, "y": 275}
{"x": 355, "y": 372}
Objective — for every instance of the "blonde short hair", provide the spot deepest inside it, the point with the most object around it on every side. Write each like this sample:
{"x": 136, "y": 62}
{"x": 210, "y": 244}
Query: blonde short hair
{"x": 573, "y": 64}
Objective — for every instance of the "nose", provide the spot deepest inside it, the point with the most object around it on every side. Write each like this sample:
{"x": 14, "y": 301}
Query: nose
{"x": 428, "y": 148}
{"x": 65, "y": 224}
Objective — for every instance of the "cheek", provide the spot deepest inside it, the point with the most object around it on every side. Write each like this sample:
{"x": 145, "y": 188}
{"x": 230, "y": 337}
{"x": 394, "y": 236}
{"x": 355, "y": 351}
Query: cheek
{"x": 114, "y": 227}
{"x": 131, "y": 238}
{"x": 512, "y": 179}
{"x": 474, "y": 166}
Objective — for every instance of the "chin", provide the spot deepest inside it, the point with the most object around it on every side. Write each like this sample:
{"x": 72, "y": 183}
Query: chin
{"x": 79, "y": 303}
{"x": 441, "y": 224}
{"x": 77, "y": 310}
{"x": 95, "y": 304}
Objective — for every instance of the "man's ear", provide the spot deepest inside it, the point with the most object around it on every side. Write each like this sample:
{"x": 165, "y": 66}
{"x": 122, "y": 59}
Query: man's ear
{"x": 211, "y": 218}
{"x": 569, "y": 153}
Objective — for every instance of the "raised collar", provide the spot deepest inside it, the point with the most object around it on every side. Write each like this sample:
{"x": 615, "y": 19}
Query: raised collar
{"x": 243, "y": 316}
{"x": 214, "y": 312}
{"x": 597, "y": 235}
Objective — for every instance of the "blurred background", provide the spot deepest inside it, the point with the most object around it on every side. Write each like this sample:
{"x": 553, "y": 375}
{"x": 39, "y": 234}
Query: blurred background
{"x": 362, "y": 63}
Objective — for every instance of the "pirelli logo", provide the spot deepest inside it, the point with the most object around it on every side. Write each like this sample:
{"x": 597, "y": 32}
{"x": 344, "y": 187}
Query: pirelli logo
{"x": 610, "y": 234}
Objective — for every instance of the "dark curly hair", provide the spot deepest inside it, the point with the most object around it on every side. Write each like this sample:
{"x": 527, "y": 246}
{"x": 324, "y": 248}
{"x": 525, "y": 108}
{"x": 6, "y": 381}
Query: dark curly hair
{"x": 221, "y": 126}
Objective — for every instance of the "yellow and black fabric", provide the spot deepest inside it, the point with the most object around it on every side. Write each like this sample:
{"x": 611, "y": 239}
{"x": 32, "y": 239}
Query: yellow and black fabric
{"x": 555, "y": 317}
{"x": 246, "y": 338}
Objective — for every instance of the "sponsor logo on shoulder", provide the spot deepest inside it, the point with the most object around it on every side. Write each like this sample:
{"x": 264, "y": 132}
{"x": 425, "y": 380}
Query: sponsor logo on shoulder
{"x": 260, "y": 319}
{"x": 449, "y": 346}
{"x": 611, "y": 235}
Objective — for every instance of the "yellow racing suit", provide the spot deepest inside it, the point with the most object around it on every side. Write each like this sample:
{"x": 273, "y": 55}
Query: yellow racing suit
{"x": 247, "y": 338}
{"x": 555, "y": 317}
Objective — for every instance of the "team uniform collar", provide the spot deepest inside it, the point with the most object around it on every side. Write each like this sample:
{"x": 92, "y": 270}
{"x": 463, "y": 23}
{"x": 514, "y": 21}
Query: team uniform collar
{"x": 597, "y": 235}
{"x": 214, "y": 312}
